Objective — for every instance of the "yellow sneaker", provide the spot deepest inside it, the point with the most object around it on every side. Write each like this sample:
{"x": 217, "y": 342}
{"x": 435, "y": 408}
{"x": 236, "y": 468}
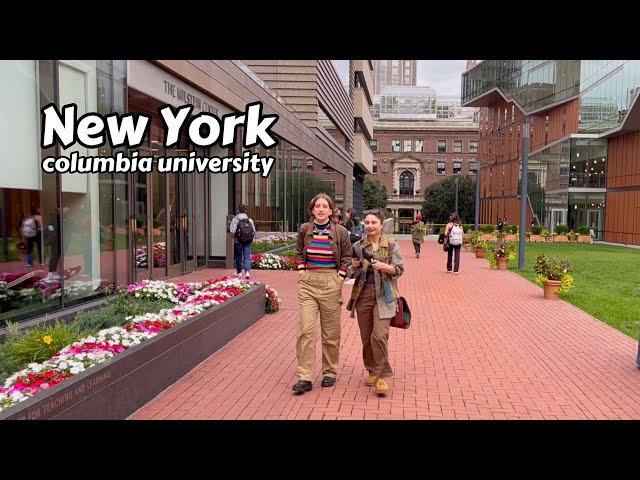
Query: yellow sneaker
{"x": 371, "y": 380}
{"x": 381, "y": 386}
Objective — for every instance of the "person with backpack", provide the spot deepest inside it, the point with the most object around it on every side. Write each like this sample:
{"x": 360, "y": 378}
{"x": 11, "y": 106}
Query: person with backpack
{"x": 453, "y": 235}
{"x": 243, "y": 231}
{"x": 378, "y": 264}
{"x": 417, "y": 234}
{"x": 29, "y": 231}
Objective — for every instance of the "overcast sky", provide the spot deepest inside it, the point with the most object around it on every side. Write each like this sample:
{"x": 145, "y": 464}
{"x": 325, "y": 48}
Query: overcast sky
{"x": 442, "y": 75}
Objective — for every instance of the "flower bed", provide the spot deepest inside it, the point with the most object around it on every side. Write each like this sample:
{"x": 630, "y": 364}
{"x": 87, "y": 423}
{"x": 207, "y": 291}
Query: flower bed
{"x": 190, "y": 300}
{"x": 269, "y": 261}
{"x": 272, "y": 242}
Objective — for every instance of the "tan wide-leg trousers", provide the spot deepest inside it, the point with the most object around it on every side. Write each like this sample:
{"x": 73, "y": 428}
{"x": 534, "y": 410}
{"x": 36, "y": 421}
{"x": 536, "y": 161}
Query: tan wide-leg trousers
{"x": 319, "y": 292}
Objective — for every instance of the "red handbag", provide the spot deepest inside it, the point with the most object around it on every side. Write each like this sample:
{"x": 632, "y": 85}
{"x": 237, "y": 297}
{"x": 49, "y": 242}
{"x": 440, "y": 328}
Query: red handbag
{"x": 403, "y": 316}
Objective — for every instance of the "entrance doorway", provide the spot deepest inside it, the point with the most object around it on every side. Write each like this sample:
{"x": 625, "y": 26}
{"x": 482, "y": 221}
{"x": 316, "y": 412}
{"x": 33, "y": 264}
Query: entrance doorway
{"x": 594, "y": 222}
{"x": 405, "y": 220}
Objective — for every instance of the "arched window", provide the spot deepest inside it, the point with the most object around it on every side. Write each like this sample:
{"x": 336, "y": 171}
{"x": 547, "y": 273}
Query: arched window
{"x": 406, "y": 183}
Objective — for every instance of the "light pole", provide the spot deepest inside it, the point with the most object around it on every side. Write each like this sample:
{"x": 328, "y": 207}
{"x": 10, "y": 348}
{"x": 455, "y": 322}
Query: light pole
{"x": 457, "y": 175}
{"x": 523, "y": 191}
{"x": 475, "y": 227}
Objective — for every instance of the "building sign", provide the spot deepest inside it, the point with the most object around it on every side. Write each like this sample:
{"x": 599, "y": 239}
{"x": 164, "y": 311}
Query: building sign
{"x": 161, "y": 85}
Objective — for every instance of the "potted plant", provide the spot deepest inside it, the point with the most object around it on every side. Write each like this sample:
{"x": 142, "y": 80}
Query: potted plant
{"x": 561, "y": 234}
{"x": 554, "y": 275}
{"x": 583, "y": 234}
{"x": 546, "y": 235}
{"x": 511, "y": 233}
{"x": 488, "y": 232}
{"x": 471, "y": 241}
{"x": 536, "y": 236}
{"x": 481, "y": 246}
{"x": 572, "y": 236}
{"x": 501, "y": 253}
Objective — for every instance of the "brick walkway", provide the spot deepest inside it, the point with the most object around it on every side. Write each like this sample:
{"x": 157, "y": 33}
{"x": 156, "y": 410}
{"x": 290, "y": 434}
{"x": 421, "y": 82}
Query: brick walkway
{"x": 483, "y": 345}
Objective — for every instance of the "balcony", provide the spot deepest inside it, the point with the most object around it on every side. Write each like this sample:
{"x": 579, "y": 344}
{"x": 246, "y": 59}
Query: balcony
{"x": 363, "y": 67}
{"x": 362, "y": 154}
{"x": 405, "y": 198}
{"x": 361, "y": 110}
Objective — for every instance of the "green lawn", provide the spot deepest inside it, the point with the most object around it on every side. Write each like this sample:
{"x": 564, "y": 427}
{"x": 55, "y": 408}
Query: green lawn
{"x": 606, "y": 279}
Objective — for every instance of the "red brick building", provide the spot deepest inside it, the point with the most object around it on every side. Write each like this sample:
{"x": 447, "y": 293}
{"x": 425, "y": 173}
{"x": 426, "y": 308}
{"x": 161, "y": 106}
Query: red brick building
{"x": 410, "y": 155}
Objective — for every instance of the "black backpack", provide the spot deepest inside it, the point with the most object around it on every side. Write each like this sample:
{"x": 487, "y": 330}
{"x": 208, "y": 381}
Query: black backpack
{"x": 244, "y": 231}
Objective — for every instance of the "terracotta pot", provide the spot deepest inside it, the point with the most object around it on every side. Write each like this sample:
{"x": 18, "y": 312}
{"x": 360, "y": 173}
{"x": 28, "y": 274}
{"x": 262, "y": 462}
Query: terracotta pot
{"x": 479, "y": 253}
{"x": 511, "y": 238}
{"x": 502, "y": 263}
{"x": 488, "y": 237}
{"x": 584, "y": 239}
{"x": 536, "y": 238}
{"x": 551, "y": 289}
{"x": 561, "y": 238}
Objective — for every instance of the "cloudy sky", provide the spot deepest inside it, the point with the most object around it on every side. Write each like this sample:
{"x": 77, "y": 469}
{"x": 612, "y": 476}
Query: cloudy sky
{"x": 442, "y": 75}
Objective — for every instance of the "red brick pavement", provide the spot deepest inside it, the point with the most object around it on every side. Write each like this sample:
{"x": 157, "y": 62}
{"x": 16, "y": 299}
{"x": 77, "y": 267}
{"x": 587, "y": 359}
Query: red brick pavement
{"x": 482, "y": 345}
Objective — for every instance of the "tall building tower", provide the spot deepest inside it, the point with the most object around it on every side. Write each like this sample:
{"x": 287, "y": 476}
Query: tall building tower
{"x": 394, "y": 72}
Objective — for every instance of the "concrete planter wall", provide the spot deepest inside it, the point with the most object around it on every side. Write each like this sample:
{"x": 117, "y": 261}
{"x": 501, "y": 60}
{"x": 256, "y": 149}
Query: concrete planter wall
{"x": 118, "y": 387}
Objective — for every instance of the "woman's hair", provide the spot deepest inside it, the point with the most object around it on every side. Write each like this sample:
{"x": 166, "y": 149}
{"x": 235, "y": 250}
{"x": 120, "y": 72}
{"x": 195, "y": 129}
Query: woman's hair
{"x": 376, "y": 212}
{"x": 351, "y": 211}
{"x": 455, "y": 218}
{"x": 329, "y": 200}
{"x": 243, "y": 208}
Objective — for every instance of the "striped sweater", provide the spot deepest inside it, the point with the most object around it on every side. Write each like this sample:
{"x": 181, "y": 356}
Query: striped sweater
{"x": 319, "y": 252}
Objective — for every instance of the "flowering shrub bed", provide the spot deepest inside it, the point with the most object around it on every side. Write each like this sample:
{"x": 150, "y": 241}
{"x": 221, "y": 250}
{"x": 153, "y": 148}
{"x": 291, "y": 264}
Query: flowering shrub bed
{"x": 269, "y": 261}
{"x": 265, "y": 244}
{"x": 190, "y": 300}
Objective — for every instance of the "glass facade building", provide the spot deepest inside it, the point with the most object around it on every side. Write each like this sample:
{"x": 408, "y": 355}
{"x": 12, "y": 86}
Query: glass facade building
{"x": 569, "y": 159}
{"x": 67, "y": 239}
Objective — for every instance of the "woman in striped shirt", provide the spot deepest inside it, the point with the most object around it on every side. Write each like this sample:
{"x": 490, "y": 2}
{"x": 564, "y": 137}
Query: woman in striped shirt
{"x": 323, "y": 255}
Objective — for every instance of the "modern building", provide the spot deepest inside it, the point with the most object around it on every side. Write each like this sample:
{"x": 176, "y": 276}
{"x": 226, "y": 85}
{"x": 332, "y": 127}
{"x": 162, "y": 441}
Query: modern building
{"x": 101, "y": 231}
{"x": 394, "y": 72}
{"x": 361, "y": 86}
{"x": 410, "y": 155}
{"x": 584, "y": 162}
{"x": 420, "y": 103}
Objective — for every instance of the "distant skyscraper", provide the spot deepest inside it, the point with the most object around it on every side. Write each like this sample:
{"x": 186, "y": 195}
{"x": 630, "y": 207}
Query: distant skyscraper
{"x": 394, "y": 72}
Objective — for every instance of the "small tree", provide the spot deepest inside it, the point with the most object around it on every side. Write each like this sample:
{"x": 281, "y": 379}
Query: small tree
{"x": 375, "y": 194}
{"x": 440, "y": 199}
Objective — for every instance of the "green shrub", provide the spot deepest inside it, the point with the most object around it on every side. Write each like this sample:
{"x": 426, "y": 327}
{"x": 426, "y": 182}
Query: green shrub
{"x": 467, "y": 228}
{"x": 114, "y": 312}
{"x": 583, "y": 230}
{"x": 487, "y": 228}
{"x": 36, "y": 344}
{"x": 512, "y": 229}
{"x": 561, "y": 229}
{"x": 536, "y": 229}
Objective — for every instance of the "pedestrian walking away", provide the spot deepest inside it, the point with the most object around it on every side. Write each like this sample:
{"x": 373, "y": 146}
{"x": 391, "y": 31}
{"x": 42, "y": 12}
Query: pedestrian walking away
{"x": 453, "y": 236}
{"x": 243, "y": 230}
